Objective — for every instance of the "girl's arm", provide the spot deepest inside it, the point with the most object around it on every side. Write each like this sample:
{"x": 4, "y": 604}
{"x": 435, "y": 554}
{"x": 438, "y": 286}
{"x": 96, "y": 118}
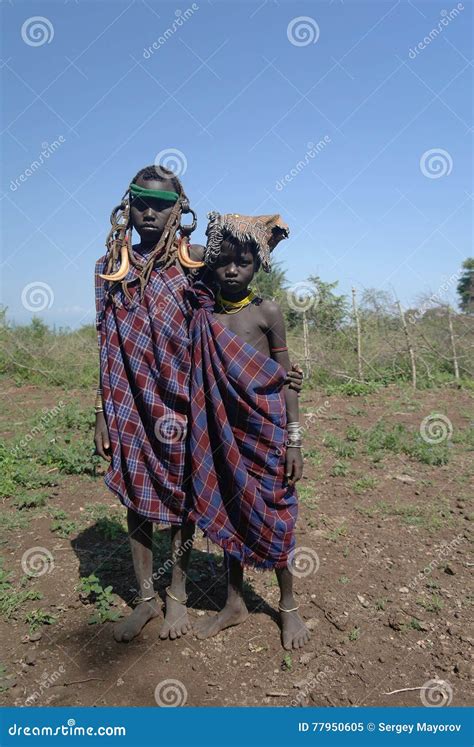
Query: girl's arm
{"x": 276, "y": 334}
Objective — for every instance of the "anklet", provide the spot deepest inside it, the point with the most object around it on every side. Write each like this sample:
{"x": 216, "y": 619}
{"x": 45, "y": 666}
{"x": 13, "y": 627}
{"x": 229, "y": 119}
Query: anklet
{"x": 172, "y": 596}
{"x": 293, "y": 609}
{"x": 139, "y": 600}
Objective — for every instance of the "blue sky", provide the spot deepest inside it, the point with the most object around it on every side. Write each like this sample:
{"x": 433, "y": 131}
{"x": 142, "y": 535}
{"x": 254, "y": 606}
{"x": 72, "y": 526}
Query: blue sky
{"x": 233, "y": 96}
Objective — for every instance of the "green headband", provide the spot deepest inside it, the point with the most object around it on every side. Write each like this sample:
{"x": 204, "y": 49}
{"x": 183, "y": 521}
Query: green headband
{"x": 137, "y": 191}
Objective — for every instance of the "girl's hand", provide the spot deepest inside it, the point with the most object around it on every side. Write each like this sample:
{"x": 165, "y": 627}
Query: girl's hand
{"x": 101, "y": 438}
{"x": 293, "y": 465}
{"x": 294, "y": 378}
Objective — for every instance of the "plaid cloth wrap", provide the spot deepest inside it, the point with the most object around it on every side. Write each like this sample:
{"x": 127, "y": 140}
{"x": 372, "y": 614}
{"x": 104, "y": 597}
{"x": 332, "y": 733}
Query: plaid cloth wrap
{"x": 145, "y": 368}
{"x": 237, "y": 434}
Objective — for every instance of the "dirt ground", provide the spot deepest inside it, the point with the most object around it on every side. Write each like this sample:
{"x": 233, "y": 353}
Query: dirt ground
{"x": 386, "y": 596}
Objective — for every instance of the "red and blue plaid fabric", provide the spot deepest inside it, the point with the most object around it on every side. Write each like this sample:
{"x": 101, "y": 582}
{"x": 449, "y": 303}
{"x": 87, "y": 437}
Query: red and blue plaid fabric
{"x": 145, "y": 369}
{"x": 237, "y": 435}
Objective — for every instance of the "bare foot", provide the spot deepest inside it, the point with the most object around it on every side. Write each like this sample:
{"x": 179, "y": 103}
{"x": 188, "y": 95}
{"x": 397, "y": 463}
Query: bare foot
{"x": 294, "y": 633}
{"x": 233, "y": 613}
{"x": 176, "y": 621}
{"x": 127, "y": 629}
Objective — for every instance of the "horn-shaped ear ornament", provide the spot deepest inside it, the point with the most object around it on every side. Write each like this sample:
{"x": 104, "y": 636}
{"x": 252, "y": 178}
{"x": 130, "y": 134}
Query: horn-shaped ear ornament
{"x": 124, "y": 265}
{"x": 187, "y": 230}
{"x": 184, "y": 257}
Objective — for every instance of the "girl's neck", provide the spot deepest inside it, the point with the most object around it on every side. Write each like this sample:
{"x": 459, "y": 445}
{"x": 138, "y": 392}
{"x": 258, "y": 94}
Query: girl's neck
{"x": 236, "y": 296}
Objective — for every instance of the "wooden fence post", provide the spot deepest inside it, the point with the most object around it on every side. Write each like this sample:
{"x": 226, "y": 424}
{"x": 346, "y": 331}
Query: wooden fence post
{"x": 411, "y": 352}
{"x": 453, "y": 345}
{"x": 307, "y": 354}
{"x": 359, "y": 342}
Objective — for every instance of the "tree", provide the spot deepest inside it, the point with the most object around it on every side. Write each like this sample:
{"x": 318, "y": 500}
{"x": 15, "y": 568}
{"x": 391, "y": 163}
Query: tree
{"x": 329, "y": 311}
{"x": 270, "y": 285}
{"x": 466, "y": 286}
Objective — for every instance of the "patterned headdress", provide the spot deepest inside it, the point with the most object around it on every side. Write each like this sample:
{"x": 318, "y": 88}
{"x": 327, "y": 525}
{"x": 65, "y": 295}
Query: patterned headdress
{"x": 265, "y": 231}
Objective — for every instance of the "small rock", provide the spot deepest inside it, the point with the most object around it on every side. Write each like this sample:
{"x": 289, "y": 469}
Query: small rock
{"x": 312, "y": 623}
{"x": 7, "y": 682}
{"x": 363, "y": 600}
{"x": 404, "y": 590}
{"x": 404, "y": 478}
{"x": 35, "y": 636}
{"x": 463, "y": 668}
{"x": 275, "y": 694}
{"x": 307, "y": 657}
{"x": 382, "y": 659}
{"x": 30, "y": 658}
{"x": 449, "y": 570}
{"x": 423, "y": 626}
{"x": 396, "y": 622}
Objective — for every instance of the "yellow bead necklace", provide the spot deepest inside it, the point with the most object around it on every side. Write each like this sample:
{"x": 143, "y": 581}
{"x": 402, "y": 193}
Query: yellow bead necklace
{"x": 233, "y": 307}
